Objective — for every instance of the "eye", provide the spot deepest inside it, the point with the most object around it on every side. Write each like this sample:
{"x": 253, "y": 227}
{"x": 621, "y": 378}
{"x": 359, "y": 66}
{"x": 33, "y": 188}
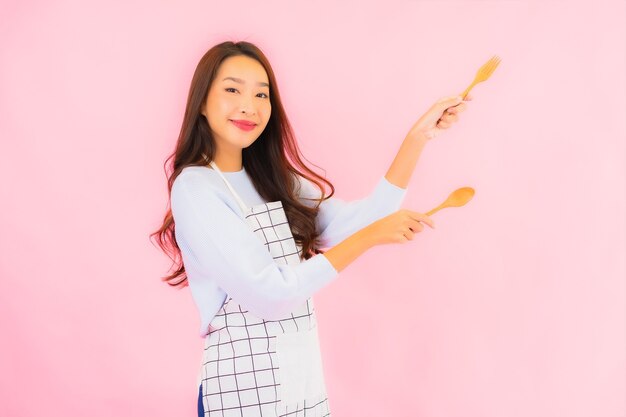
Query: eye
{"x": 264, "y": 95}
{"x": 231, "y": 88}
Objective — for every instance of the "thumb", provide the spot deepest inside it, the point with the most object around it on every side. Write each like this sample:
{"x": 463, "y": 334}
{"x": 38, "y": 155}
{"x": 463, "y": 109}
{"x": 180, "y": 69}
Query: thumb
{"x": 450, "y": 101}
{"x": 453, "y": 101}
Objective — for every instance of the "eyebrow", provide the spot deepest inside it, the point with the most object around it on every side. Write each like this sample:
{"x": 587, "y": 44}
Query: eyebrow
{"x": 240, "y": 81}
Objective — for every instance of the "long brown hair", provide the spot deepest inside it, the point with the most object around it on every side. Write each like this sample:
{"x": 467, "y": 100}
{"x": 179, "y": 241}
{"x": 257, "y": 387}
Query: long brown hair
{"x": 272, "y": 161}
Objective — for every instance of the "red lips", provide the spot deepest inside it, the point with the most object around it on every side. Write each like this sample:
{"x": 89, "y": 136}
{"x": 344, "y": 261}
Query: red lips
{"x": 244, "y": 124}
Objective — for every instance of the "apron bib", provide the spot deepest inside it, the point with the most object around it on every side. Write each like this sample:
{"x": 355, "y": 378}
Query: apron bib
{"x": 256, "y": 367}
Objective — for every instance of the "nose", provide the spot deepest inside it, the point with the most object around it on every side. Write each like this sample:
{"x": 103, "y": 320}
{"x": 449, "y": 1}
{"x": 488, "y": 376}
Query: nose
{"x": 246, "y": 106}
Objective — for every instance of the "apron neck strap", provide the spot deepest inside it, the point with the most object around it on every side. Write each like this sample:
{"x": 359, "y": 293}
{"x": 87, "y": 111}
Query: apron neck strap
{"x": 243, "y": 206}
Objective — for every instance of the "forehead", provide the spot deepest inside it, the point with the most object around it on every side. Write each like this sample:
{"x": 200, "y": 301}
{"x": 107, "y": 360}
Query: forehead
{"x": 244, "y": 67}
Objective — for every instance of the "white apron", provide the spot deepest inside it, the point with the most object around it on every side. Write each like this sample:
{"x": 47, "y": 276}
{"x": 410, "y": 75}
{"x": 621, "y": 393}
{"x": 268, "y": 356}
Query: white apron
{"x": 256, "y": 367}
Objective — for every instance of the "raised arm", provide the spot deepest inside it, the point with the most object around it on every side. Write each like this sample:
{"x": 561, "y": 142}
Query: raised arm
{"x": 440, "y": 116}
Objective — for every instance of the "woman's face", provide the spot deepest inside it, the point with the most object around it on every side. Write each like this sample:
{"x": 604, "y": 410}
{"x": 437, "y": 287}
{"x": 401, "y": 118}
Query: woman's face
{"x": 239, "y": 92}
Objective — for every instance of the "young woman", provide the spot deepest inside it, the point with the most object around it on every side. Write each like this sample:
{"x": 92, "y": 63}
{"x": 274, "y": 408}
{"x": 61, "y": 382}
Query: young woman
{"x": 246, "y": 228}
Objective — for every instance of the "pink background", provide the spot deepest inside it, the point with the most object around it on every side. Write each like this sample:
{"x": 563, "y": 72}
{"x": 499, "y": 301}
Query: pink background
{"x": 513, "y": 306}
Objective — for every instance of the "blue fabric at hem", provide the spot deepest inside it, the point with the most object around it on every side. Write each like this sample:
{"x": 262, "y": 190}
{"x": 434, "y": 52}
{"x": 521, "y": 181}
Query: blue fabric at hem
{"x": 200, "y": 406}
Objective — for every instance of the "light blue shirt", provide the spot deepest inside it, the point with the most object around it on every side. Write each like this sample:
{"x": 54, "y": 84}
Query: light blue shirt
{"x": 222, "y": 256}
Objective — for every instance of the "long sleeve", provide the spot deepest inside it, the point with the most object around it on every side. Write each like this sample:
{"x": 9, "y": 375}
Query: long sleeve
{"x": 218, "y": 246}
{"x": 338, "y": 219}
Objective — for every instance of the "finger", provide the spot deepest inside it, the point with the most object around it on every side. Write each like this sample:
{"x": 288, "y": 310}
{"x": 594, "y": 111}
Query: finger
{"x": 451, "y": 117}
{"x": 443, "y": 125}
{"x": 455, "y": 100}
{"x": 409, "y": 234}
{"x": 458, "y": 108}
{"x": 416, "y": 226}
{"x": 448, "y": 116}
{"x": 421, "y": 217}
{"x": 450, "y": 101}
{"x": 429, "y": 222}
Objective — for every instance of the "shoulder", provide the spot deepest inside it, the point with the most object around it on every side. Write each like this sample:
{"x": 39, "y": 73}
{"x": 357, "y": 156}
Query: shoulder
{"x": 196, "y": 181}
{"x": 193, "y": 176}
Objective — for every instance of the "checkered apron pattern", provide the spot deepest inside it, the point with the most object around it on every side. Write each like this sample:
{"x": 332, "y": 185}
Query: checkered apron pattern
{"x": 255, "y": 367}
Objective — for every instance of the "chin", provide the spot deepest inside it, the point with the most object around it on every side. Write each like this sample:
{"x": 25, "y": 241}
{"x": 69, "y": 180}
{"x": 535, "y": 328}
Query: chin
{"x": 251, "y": 142}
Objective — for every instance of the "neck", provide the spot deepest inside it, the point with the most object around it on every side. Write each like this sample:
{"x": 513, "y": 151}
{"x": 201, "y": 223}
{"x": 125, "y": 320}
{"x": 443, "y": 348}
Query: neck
{"x": 229, "y": 162}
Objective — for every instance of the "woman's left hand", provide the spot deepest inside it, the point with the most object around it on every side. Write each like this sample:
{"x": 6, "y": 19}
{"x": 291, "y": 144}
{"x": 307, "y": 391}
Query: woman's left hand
{"x": 439, "y": 117}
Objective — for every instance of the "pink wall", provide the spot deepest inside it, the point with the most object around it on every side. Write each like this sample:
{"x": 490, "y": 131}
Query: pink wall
{"x": 513, "y": 306}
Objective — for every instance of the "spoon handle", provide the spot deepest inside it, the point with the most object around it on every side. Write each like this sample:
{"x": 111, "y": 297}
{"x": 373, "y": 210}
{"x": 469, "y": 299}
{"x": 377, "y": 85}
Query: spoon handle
{"x": 436, "y": 209}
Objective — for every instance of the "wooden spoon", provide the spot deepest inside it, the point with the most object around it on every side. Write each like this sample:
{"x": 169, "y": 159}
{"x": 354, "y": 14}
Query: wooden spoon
{"x": 457, "y": 198}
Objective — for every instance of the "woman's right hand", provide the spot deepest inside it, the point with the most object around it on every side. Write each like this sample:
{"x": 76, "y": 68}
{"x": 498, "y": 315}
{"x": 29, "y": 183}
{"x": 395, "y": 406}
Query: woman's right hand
{"x": 398, "y": 227}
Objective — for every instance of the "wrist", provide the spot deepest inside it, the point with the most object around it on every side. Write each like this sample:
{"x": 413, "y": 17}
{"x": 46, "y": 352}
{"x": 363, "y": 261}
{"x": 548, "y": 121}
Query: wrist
{"x": 419, "y": 136}
{"x": 365, "y": 238}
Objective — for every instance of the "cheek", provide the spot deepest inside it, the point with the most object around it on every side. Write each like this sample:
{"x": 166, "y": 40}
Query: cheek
{"x": 220, "y": 105}
{"x": 225, "y": 105}
{"x": 266, "y": 112}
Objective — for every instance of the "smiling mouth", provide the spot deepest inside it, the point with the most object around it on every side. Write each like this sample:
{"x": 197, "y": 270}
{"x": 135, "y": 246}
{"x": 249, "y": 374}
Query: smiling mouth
{"x": 244, "y": 125}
